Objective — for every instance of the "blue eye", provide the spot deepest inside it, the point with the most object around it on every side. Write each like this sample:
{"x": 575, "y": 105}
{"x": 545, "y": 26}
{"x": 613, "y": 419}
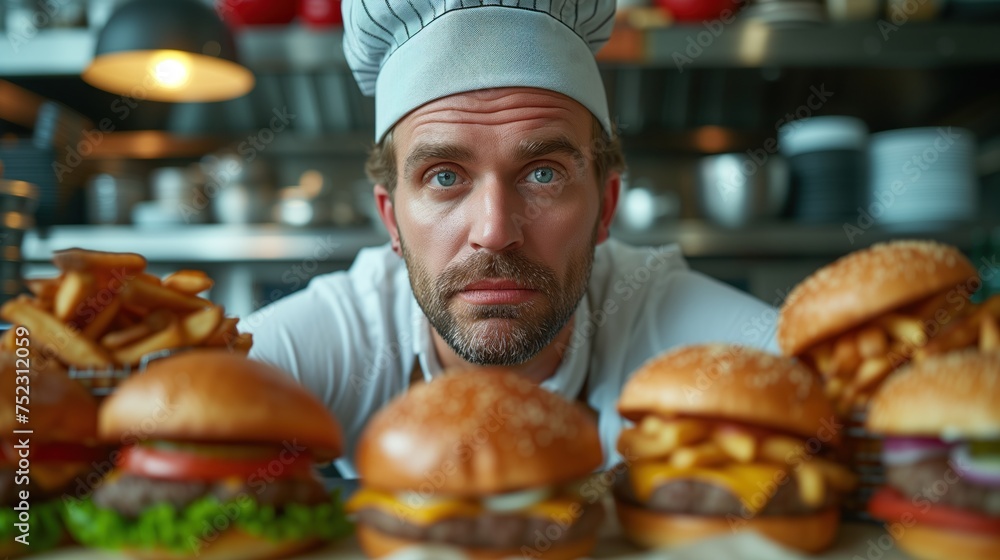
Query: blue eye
{"x": 446, "y": 178}
{"x": 543, "y": 175}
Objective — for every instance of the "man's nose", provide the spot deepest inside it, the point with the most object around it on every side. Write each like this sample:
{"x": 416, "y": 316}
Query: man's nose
{"x": 496, "y": 217}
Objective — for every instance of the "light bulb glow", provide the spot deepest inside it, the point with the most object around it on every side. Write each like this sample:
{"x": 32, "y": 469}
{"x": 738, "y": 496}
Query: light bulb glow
{"x": 171, "y": 72}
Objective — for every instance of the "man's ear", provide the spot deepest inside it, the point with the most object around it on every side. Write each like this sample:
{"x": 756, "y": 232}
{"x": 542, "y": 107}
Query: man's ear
{"x": 386, "y": 213}
{"x": 612, "y": 188}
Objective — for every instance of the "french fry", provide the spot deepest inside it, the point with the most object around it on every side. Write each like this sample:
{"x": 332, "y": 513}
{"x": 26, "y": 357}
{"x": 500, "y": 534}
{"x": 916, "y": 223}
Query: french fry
{"x": 224, "y": 333}
{"x": 839, "y": 477}
{"x": 872, "y": 342}
{"x": 148, "y": 278}
{"x": 906, "y": 329}
{"x": 43, "y": 288}
{"x": 740, "y": 446}
{"x": 989, "y": 334}
{"x": 822, "y": 357}
{"x": 160, "y": 319}
{"x": 812, "y": 488}
{"x": 75, "y": 288}
{"x": 198, "y": 326}
{"x": 170, "y": 337}
{"x": 634, "y": 443}
{"x": 242, "y": 343}
{"x": 123, "y": 337}
{"x": 190, "y": 282}
{"x": 148, "y": 296}
{"x": 780, "y": 449}
{"x": 84, "y": 260}
{"x": 835, "y": 388}
{"x": 54, "y": 336}
{"x": 681, "y": 432}
{"x": 872, "y": 372}
{"x": 960, "y": 334}
{"x": 706, "y": 454}
{"x": 8, "y": 340}
{"x": 846, "y": 357}
{"x": 653, "y": 437}
{"x": 102, "y": 320}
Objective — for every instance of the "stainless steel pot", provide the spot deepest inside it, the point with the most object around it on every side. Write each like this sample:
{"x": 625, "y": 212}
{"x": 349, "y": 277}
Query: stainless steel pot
{"x": 735, "y": 190}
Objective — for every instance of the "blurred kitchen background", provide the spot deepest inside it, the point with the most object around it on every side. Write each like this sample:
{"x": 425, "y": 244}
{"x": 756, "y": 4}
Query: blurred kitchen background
{"x": 765, "y": 137}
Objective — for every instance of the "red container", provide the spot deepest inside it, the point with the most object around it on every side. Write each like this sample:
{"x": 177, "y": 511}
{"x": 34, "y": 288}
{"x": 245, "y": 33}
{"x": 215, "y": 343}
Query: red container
{"x": 698, "y": 10}
{"x": 238, "y": 13}
{"x": 320, "y": 13}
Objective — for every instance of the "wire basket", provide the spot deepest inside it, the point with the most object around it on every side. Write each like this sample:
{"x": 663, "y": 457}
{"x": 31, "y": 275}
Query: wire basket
{"x": 103, "y": 382}
{"x": 865, "y": 461}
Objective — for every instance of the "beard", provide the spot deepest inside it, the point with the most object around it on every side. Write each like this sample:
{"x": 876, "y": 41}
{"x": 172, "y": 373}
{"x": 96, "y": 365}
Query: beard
{"x": 505, "y": 334}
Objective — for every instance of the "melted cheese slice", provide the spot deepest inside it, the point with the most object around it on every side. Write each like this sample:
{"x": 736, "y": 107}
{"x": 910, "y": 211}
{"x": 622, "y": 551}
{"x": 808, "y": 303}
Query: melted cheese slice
{"x": 754, "y": 483}
{"x": 560, "y": 509}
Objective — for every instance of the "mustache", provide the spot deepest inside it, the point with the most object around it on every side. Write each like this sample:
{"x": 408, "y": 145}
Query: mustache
{"x": 482, "y": 265}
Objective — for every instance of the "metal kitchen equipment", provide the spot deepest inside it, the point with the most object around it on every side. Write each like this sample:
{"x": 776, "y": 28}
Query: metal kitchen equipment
{"x": 18, "y": 201}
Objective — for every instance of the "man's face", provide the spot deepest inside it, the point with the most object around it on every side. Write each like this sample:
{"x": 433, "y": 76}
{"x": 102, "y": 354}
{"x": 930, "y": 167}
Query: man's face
{"x": 498, "y": 212}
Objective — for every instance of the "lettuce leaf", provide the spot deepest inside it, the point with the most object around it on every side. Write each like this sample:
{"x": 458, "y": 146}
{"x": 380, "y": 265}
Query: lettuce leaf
{"x": 45, "y": 528}
{"x": 187, "y": 530}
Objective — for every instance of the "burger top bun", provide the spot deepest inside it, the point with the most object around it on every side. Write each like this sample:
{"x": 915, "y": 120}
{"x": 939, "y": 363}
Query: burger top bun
{"x": 213, "y": 395}
{"x": 865, "y": 284}
{"x": 731, "y": 383}
{"x": 472, "y": 432}
{"x": 955, "y": 395}
{"x": 54, "y": 398}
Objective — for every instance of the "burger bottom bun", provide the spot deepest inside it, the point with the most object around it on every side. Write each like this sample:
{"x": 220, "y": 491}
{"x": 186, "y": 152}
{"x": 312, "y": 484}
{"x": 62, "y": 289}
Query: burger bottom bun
{"x": 932, "y": 543}
{"x": 377, "y": 544}
{"x": 232, "y": 545}
{"x": 650, "y": 529}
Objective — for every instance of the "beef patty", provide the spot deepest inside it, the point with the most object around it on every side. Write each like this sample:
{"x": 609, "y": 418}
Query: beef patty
{"x": 936, "y": 481}
{"x": 489, "y": 529}
{"x": 694, "y": 497}
{"x": 131, "y": 494}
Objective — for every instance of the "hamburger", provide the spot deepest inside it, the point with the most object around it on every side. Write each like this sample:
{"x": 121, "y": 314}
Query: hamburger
{"x": 40, "y": 467}
{"x": 868, "y": 313}
{"x": 482, "y": 460}
{"x": 727, "y": 438}
{"x": 217, "y": 461}
{"x": 941, "y": 423}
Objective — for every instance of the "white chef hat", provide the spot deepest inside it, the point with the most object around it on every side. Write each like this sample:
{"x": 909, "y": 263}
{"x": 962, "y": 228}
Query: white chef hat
{"x": 410, "y": 52}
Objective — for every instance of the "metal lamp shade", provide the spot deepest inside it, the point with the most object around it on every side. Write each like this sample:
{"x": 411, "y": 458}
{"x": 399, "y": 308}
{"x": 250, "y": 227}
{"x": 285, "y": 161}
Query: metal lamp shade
{"x": 168, "y": 50}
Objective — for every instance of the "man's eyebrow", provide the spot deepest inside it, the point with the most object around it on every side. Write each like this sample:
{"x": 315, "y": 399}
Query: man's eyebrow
{"x": 535, "y": 149}
{"x": 430, "y": 151}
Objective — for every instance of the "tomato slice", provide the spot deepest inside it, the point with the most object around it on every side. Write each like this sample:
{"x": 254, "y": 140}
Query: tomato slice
{"x": 184, "y": 464}
{"x": 890, "y": 505}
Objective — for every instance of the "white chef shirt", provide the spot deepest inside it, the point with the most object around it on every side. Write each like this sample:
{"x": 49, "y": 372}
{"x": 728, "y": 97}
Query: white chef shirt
{"x": 353, "y": 337}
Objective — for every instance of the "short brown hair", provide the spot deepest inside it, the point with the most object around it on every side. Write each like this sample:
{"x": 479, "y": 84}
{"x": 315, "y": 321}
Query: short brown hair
{"x": 606, "y": 153}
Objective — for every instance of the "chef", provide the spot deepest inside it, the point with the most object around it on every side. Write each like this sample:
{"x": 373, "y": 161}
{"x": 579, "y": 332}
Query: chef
{"x": 497, "y": 174}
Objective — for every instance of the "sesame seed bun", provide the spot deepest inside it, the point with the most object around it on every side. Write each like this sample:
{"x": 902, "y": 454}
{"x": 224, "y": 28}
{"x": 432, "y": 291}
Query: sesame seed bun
{"x": 866, "y": 284}
{"x": 472, "y": 432}
{"x": 729, "y": 382}
{"x": 54, "y": 398}
{"x": 212, "y": 395}
{"x": 233, "y": 544}
{"x": 927, "y": 542}
{"x": 957, "y": 394}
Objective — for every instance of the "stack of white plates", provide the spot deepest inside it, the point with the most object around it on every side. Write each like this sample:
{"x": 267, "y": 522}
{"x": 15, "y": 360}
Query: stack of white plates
{"x": 923, "y": 175}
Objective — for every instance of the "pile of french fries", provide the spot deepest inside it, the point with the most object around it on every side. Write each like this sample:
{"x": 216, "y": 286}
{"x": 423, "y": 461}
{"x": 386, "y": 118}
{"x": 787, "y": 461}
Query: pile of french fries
{"x": 686, "y": 443}
{"x": 855, "y": 363}
{"x": 104, "y": 311}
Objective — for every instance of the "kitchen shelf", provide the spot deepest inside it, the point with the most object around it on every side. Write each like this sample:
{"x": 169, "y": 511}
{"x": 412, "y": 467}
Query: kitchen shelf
{"x": 271, "y": 243}
{"x": 862, "y": 44}
{"x": 207, "y": 243}
{"x": 740, "y": 44}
